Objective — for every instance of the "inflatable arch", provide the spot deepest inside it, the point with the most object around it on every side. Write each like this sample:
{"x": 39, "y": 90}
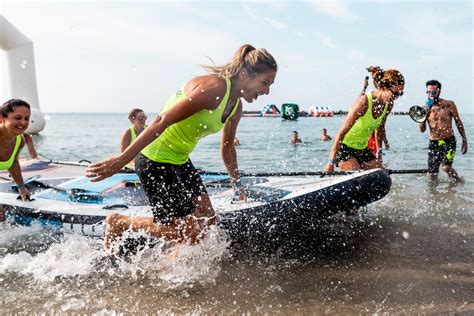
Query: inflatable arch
{"x": 271, "y": 110}
{"x": 20, "y": 71}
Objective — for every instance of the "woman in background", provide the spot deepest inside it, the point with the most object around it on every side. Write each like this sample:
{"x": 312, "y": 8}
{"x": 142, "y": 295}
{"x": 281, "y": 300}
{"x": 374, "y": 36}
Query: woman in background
{"x": 368, "y": 113}
{"x": 138, "y": 119}
{"x": 14, "y": 120}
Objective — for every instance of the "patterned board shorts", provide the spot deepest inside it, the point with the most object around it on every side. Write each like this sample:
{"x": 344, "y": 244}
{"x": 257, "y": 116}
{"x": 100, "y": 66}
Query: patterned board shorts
{"x": 441, "y": 152}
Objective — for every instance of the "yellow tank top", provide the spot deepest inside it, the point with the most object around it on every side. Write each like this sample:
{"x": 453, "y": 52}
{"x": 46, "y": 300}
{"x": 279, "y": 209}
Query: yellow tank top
{"x": 177, "y": 141}
{"x": 133, "y": 133}
{"x": 358, "y": 136}
{"x": 133, "y": 136}
{"x": 5, "y": 165}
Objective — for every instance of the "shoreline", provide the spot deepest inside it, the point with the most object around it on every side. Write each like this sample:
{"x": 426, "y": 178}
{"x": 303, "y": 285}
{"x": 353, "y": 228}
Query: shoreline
{"x": 336, "y": 113}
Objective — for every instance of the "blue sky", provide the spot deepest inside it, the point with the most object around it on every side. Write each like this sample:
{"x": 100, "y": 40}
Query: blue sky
{"x": 112, "y": 56}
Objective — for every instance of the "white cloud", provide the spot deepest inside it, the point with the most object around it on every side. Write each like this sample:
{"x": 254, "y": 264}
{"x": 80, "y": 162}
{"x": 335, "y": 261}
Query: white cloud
{"x": 275, "y": 23}
{"x": 254, "y": 13}
{"x": 87, "y": 27}
{"x": 356, "y": 55}
{"x": 333, "y": 8}
{"x": 437, "y": 31}
{"x": 325, "y": 40}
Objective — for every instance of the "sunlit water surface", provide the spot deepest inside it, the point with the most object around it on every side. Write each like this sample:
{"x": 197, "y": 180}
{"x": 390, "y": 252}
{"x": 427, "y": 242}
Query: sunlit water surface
{"x": 413, "y": 251}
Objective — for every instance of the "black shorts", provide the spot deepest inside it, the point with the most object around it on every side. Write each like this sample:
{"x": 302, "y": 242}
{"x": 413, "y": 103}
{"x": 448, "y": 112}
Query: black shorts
{"x": 170, "y": 188}
{"x": 441, "y": 151}
{"x": 361, "y": 155}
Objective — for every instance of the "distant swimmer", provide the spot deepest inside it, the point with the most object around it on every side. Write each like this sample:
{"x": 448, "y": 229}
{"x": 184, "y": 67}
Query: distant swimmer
{"x": 324, "y": 135}
{"x": 138, "y": 119}
{"x": 295, "y": 138}
{"x": 206, "y": 104}
{"x": 14, "y": 120}
{"x": 442, "y": 145}
{"x": 368, "y": 113}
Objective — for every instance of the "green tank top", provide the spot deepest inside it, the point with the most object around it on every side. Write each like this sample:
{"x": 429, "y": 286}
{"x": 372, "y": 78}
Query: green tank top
{"x": 177, "y": 142}
{"x": 5, "y": 165}
{"x": 358, "y": 136}
{"x": 133, "y": 136}
{"x": 133, "y": 133}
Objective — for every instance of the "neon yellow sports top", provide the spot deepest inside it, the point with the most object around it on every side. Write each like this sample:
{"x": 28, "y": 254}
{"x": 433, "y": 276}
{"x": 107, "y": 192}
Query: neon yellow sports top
{"x": 5, "y": 165}
{"x": 133, "y": 136}
{"x": 178, "y": 141}
{"x": 358, "y": 136}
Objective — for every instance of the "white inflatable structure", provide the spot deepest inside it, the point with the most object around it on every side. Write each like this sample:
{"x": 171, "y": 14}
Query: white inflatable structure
{"x": 20, "y": 71}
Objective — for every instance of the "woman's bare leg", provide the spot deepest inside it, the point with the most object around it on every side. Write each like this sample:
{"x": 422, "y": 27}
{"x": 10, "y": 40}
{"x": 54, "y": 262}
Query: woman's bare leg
{"x": 2, "y": 214}
{"x": 117, "y": 224}
{"x": 349, "y": 165}
{"x": 190, "y": 227}
{"x": 373, "y": 164}
{"x": 203, "y": 216}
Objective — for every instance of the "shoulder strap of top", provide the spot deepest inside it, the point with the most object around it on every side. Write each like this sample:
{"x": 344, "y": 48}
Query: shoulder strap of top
{"x": 369, "y": 101}
{"x": 17, "y": 145}
{"x": 133, "y": 135}
{"x": 227, "y": 95}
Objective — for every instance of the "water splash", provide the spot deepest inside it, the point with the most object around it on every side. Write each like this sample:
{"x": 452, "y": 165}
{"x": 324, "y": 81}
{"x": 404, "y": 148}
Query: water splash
{"x": 165, "y": 266}
{"x": 174, "y": 266}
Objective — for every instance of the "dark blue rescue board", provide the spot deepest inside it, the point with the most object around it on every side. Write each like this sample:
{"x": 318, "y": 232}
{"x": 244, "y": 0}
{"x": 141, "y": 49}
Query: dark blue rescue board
{"x": 278, "y": 206}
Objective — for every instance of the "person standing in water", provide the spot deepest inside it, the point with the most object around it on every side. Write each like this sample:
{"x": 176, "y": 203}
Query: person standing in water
{"x": 442, "y": 146}
{"x": 324, "y": 136}
{"x": 295, "y": 138}
{"x": 378, "y": 136}
{"x": 138, "y": 119}
{"x": 368, "y": 113}
{"x": 14, "y": 120}
{"x": 204, "y": 105}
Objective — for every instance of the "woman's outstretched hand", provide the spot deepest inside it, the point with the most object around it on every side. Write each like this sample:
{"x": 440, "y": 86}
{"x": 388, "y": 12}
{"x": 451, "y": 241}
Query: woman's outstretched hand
{"x": 329, "y": 167}
{"x": 104, "y": 169}
{"x": 24, "y": 194}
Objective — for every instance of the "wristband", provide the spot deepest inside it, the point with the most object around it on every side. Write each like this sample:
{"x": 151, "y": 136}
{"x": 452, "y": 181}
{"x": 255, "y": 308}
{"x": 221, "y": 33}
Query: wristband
{"x": 21, "y": 186}
{"x": 332, "y": 161}
{"x": 237, "y": 184}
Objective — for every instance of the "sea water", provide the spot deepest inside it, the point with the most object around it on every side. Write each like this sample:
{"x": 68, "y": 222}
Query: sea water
{"x": 413, "y": 251}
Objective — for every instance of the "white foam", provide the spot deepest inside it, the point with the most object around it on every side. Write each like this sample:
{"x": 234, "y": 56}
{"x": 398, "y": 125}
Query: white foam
{"x": 181, "y": 265}
{"x": 167, "y": 267}
{"x": 9, "y": 233}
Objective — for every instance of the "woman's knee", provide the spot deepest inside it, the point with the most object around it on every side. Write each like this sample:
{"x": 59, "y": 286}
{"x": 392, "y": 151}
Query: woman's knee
{"x": 350, "y": 164}
{"x": 373, "y": 164}
{"x": 203, "y": 206}
{"x": 114, "y": 218}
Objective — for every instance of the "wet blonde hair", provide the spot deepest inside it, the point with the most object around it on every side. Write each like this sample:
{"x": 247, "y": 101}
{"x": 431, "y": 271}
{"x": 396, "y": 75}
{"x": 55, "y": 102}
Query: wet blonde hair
{"x": 385, "y": 79}
{"x": 256, "y": 61}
